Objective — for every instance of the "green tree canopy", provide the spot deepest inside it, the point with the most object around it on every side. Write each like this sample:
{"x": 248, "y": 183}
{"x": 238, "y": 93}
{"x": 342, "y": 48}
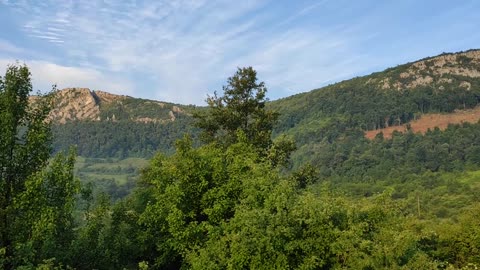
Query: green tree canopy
{"x": 36, "y": 199}
{"x": 241, "y": 107}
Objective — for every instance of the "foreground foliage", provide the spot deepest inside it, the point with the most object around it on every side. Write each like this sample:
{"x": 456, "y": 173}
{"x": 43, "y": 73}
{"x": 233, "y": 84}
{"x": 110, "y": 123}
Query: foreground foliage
{"x": 36, "y": 198}
{"x": 211, "y": 208}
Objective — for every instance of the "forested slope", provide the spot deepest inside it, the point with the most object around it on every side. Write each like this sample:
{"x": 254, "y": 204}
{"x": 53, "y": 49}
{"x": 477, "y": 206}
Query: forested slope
{"x": 105, "y": 125}
{"x": 393, "y": 97}
{"x": 406, "y": 203}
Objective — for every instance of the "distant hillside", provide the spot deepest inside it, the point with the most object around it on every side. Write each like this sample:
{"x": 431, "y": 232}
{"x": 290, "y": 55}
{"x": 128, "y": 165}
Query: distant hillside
{"x": 443, "y": 71}
{"x": 430, "y": 121}
{"x": 393, "y": 97}
{"x": 107, "y": 125}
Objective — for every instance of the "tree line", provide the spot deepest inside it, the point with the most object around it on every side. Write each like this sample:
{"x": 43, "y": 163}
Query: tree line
{"x": 121, "y": 139}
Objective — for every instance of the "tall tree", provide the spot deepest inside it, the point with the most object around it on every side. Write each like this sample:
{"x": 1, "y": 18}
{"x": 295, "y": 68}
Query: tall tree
{"x": 241, "y": 107}
{"x": 36, "y": 200}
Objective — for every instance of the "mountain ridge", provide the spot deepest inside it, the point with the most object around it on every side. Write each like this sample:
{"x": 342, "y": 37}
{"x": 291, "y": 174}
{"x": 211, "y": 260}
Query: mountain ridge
{"x": 83, "y": 104}
{"x": 393, "y": 97}
{"x": 455, "y": 71}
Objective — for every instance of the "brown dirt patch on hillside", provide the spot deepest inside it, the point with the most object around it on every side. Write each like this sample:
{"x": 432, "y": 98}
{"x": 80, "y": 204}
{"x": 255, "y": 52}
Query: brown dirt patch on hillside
{"x": 430, "y": 121}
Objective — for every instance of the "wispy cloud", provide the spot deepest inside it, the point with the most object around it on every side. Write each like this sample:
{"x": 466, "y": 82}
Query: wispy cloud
{"x": 189, "y": 46}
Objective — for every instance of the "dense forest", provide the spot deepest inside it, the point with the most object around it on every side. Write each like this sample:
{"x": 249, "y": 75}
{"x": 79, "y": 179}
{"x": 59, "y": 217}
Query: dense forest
{"x": 341, "y": 112}
{"x": 236, "y": 193}
{"x": 121, "y": 139}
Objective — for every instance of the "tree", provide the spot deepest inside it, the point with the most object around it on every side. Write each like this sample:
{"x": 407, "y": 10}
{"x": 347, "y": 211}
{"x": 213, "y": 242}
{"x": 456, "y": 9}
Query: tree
{"x": 193, "y": 190}
{"x": 241, "y": 107}
{"x": 36, "y": 200}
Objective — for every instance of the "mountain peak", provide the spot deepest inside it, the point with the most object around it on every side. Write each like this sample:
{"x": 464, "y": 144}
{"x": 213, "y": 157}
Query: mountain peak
{"x": 75, "y": 104}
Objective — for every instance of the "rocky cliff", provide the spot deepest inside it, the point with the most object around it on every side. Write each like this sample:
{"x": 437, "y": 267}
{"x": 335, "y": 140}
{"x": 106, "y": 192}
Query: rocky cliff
{"x": 83, "y": 104}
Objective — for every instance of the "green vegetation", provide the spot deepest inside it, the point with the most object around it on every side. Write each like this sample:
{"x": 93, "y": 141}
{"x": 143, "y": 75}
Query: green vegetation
{"x": 121, "y": 139}
{"x": 355, "y": 158}
{"x": 212, "y": 207}
{"x": 241, "y": 107}
{"x": 36, "y": 198}
{"x": 128, "y": 108}
{"x": 242, "y": 200}
{"x": 353, "y": 106}
{"x": 115, "y": 177}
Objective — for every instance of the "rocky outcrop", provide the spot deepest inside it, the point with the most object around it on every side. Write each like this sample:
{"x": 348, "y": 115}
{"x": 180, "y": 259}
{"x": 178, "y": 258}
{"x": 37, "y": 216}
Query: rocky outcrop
{"x": 82, "y": 104}
{"x": 106, "y": 97}
{"x": 435, "y": 70}
{"x": 75, "y": 104}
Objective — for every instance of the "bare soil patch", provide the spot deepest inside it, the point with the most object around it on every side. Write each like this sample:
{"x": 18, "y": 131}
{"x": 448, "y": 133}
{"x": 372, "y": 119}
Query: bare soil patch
{"x": 430, "y": 121}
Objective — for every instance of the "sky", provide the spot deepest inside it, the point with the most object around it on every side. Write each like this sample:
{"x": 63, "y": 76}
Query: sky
{"x": 181, "y": 51}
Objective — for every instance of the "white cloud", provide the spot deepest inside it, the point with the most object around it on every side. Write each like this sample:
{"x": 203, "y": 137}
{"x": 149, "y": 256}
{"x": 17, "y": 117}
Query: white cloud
{"x": 45, "y": 74}
{"x": 188, "y": 45}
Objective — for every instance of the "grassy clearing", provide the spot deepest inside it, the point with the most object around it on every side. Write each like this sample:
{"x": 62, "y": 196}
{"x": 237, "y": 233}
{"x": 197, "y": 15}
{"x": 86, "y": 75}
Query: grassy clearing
{"x": 101, "y": 169}
{"x": 113, "y": 176}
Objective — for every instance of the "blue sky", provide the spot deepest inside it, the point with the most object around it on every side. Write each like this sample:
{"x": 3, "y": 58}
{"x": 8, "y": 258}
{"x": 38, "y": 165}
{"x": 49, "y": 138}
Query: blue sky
{"x": 182, "y": 50}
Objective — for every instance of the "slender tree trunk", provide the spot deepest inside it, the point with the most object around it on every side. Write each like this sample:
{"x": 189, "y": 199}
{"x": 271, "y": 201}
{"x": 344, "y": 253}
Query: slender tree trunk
{"x": 418, "y": 205}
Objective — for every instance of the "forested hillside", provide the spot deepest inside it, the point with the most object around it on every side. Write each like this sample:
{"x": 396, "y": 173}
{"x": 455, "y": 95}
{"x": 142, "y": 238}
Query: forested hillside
{"x": 392, "y": 97}
{"x": 105, "y": 125}
{"x": 122, "y": 138}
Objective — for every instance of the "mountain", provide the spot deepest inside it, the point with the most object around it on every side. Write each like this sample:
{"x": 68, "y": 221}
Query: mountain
{"x": 82, "y": 104}
{"x": 106, "y": 125}
{"x": 354, "y": 198}
{"x": 394, "y": 97}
